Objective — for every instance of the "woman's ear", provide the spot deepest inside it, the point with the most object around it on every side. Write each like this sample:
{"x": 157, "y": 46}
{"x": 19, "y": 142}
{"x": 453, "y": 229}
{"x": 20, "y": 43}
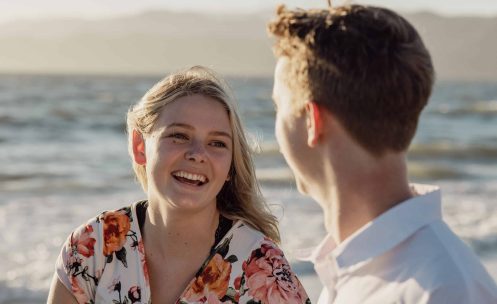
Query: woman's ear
{"x": 314, "y": 123}
{"x": 139, "y": 148}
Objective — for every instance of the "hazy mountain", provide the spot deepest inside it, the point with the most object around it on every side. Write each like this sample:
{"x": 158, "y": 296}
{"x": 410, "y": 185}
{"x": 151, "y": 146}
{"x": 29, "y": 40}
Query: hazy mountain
{"x": 462, "y": 48}
{"x": 159, "y": 41}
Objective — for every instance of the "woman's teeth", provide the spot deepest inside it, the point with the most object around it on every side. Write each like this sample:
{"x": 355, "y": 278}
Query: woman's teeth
{"x": 190, "y": 177}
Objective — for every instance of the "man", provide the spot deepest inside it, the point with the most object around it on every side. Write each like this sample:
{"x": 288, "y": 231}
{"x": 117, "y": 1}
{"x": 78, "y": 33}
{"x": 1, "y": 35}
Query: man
{"x": 350, "y": 83}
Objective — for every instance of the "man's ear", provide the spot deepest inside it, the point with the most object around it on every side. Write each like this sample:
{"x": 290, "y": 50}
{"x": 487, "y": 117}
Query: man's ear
{"x": 139, "y": 148}
{"x": 314, "y": 123}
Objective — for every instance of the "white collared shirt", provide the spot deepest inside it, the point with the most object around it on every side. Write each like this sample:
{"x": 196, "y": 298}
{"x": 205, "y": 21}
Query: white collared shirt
{"x": 406, "y": 255}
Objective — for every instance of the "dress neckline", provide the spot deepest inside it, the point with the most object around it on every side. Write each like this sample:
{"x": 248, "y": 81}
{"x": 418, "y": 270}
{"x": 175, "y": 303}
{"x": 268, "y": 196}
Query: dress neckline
{"x": 223, "y": 226}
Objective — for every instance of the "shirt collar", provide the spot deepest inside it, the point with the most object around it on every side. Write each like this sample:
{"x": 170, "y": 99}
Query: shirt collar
{"x": 383, "y": 233}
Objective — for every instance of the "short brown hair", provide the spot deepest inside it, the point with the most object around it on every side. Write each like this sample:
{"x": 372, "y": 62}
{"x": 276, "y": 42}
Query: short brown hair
{"x": 367, "y": 65}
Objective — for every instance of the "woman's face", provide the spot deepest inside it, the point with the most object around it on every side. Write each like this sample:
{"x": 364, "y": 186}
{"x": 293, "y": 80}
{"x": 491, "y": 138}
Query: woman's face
{"x": 189, "y": 153}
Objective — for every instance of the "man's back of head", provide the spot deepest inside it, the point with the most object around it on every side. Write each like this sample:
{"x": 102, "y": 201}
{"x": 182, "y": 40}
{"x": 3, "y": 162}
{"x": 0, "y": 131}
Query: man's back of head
{"x": 366, "y": 65}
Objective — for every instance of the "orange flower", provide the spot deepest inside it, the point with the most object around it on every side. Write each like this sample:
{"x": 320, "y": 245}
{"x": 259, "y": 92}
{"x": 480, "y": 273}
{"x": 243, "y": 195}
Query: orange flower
{"x": 116, "y": 226}
{"x": 212, "y": 282}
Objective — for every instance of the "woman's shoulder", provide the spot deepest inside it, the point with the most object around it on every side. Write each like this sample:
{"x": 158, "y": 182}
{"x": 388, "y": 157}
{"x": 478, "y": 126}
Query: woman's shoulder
{"x": 107, "y": 241}
{"x": 244, "y": 241}
{"x": 253, "y": 259}
{"x": 244, "y": 234}
{"x": 102, "y": 231}
{"x": 106, "y": 234}
{"x": 124, "y": 215}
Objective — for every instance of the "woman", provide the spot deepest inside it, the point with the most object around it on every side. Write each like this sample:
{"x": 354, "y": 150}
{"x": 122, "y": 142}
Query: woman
{"x": 204, "y": 234}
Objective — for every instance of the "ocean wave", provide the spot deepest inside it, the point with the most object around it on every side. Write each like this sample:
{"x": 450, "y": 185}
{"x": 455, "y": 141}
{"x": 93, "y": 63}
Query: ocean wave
{"x": 275, "y": 176}
{"x": 20, "y": 295}
{"x": 423, "y": 171}
{"x": 6, "y": 119}
{"x": 480, "y": 108}
{"x": 269, "y": 148}
{"x": 450, "y": 150}
{"x": 6, "y": 177}
{"x": 473, "y": 218}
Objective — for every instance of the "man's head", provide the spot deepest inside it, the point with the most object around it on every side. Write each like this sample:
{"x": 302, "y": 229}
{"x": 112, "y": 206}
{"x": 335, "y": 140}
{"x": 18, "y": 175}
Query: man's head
{"x": 366, "y": 65}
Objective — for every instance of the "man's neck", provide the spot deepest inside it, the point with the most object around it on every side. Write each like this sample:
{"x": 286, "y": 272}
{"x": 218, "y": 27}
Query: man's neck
{"x": 361, "y": 194}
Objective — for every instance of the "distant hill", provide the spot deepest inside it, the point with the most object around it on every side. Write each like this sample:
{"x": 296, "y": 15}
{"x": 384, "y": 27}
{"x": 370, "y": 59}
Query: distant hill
{"x": 462, "y": 48}
{"x": 159, "y": 41}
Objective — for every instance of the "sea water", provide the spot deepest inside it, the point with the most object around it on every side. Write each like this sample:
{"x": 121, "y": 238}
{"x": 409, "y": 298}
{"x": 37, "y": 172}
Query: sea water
{"x": 63, "y": 159}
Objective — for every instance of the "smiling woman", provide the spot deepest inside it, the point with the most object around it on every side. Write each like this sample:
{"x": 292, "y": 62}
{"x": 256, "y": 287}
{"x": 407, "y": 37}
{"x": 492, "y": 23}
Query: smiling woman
{"x": 187, "y": 155}
{"x": 204, "y": 233}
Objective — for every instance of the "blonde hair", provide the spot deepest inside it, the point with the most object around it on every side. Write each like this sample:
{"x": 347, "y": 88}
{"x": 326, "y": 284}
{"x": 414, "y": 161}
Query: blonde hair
{"x": 240, "y": 197}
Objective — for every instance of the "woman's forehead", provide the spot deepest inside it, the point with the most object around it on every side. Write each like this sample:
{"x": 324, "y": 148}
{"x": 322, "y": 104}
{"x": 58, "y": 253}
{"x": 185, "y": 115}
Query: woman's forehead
{"x": 196, "y": 112}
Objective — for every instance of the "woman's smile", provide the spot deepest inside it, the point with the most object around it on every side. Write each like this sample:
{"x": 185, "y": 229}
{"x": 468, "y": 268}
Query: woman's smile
{"x": 190, "y": 178}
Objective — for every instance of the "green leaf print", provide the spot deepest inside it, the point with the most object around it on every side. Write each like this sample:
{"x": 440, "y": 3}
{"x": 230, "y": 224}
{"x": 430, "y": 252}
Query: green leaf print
{"x": 232, "y": 259}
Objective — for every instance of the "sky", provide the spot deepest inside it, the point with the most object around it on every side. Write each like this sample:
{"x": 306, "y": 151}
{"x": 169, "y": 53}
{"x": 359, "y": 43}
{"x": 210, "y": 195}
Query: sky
{"x": 11, "y": 10}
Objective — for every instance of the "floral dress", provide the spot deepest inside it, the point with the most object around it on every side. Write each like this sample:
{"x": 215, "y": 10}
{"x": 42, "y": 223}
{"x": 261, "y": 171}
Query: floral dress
{"x": 104, "y": 261}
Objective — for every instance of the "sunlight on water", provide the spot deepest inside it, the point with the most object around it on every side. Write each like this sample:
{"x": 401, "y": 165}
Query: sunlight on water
{"x": 63, "y": 156}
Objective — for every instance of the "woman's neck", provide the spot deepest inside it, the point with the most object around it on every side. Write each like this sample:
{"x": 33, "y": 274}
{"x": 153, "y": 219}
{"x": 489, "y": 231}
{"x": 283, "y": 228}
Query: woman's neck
{"x": 176, "y": 232}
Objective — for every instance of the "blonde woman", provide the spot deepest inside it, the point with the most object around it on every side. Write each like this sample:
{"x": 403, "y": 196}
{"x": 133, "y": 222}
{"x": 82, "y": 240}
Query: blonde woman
{"x": 204, "y": 234}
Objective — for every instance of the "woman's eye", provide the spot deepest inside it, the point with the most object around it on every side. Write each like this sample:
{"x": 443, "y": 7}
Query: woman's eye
{"x": 218, "y": 144}
{"x": 179, "y": 136}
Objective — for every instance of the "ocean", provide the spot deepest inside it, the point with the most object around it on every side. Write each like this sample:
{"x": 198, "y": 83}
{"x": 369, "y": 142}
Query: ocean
{"x": 63, "y": 160}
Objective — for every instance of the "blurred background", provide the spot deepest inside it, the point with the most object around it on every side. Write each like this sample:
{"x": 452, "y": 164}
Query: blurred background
{"x": 69, "y": 71}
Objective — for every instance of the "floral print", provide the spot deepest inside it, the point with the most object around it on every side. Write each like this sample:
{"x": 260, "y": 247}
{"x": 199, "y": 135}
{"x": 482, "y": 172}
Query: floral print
{"x": 78, "y": 292}
{"x": 82, "y": 242}
{"x": 116, "y": 226}
{"x": 143, "y": 261}
{"x": 213, "y": 281}
{"x": 135, "y": 294}
{"x": 211, "y": 284}
{"x": 104, "y": 262}
{"x": 268, "y": 278}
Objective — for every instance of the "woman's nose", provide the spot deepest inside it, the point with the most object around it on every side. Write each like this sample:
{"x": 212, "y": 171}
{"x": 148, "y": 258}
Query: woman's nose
{"x": 195, "y": 152}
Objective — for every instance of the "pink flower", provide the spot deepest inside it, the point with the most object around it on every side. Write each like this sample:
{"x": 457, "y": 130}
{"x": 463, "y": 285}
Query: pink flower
{"x": 237, "y": 283}
{"x": 269, "y": 278}
{"x": 141, "y": 250}
{"x": 78, "y": 292}
{"x": 82, "y": 242}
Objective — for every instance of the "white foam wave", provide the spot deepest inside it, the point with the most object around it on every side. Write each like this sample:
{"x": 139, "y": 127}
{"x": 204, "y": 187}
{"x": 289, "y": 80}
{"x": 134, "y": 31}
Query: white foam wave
{"x": 483, "y": 107}
{"x": 470, "y": 209}
{"x": 35, "y": 228}
{"x": 33, "y": 232}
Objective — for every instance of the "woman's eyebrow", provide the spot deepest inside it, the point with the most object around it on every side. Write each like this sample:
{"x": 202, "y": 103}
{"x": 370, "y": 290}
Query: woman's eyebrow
{"x": 187, "y": 126}
{"x": 179, "y": 124}
{"x": 221, "y": 133}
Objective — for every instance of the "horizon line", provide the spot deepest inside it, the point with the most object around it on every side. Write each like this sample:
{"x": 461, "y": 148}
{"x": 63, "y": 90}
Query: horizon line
{"x": 87, "y": 17}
